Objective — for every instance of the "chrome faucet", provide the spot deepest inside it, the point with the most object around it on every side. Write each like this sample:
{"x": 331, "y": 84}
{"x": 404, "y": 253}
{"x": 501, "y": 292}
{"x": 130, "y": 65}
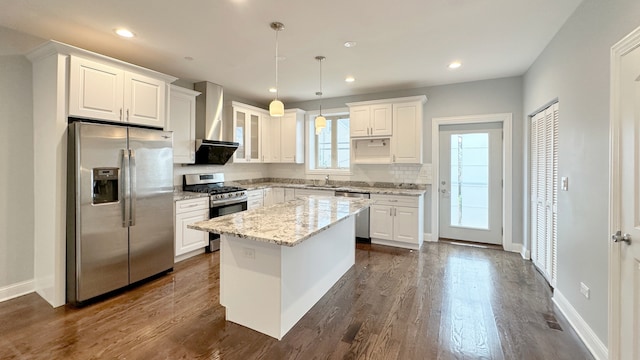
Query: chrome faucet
{"x": 326, "y": 180}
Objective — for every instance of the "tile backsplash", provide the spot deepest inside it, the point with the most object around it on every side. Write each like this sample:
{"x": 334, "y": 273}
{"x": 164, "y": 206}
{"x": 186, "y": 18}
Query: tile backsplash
{"x": 419, "y": 174}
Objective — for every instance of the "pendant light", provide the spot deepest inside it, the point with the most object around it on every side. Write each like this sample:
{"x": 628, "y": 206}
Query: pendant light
{"x": 276, "y": 108}
{"x": 320, "y": 122}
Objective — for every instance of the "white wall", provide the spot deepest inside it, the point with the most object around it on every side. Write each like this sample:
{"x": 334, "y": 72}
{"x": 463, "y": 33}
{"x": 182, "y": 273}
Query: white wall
{"x": 473, "y": 98}
{"x": 16, "y": 177}
{"x": 575, "y": 69}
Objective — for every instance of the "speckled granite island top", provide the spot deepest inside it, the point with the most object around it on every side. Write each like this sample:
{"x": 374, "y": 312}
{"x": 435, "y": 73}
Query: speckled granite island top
{"x": 288, "y": 223}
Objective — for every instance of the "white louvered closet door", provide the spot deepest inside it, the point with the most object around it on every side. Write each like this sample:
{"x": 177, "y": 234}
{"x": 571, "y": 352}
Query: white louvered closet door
{"x": 544, "y": 192}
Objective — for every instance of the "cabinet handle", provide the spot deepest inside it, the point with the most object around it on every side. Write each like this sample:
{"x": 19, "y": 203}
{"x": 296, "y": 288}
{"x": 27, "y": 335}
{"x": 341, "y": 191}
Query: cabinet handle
{"x": 395, "y": 211}
{"x": 120, "y": 113}
{"x": 390, "y": 211}
{"x": 127, "y": 114}
{"x": 394, "y": 158}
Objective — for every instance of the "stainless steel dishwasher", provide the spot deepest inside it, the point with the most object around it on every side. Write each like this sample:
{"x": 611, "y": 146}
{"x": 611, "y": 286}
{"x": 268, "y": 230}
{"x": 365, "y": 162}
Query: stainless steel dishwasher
{"x": 362, "y": 218}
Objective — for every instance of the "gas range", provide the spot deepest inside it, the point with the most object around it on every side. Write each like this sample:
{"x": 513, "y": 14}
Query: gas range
{"x": 213, "y": 184}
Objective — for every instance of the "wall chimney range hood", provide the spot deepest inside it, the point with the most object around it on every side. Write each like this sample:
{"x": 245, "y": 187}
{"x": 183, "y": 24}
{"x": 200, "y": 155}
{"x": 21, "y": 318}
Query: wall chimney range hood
{"x": 213, "y": 140}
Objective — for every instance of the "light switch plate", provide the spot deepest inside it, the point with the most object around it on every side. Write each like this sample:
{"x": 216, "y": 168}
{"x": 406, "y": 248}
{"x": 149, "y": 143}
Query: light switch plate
{"x": 564, "y": 183}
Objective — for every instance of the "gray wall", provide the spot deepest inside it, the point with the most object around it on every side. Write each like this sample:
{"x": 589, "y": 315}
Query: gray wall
{"x": 473, "y": 98}
{"x": 16, "y": 177}
{"x": 575, "y": 69}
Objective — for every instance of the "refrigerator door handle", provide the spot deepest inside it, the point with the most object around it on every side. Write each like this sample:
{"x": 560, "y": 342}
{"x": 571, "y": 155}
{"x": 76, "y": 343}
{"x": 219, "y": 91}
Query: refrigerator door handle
{"x": 133, "y": 194}
{"x": 124, "y": 186}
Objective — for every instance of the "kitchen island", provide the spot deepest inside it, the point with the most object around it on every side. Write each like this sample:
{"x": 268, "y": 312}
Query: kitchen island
{"x": 276, "y": 262}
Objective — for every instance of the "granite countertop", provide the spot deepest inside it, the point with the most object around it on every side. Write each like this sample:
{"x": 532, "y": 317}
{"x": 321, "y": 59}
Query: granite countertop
{"x": 288, "y": 223}
{"x": 186, "y": 195}
{"x": 371, "y": 190}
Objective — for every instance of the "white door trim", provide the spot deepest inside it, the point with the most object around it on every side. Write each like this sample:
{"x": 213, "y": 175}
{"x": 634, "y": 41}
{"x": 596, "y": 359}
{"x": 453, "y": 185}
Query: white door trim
{"x": 507, "y": 170}
{"x": 624, "y": 46}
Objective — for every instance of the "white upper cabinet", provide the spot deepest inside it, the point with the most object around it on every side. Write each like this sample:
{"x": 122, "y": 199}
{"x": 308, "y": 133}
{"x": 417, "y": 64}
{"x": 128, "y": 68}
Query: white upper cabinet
{"x": 292, "y": 136}
{"x": 247, "y": 124}
{"x": 370, "y": 120}
{"x": 406, "y": 143}
{"x": 144, "y": 100}
{"x": 387, "y": 131}
{"x": 182, "y": 121}
{"x": 283, "y": 137}
{"x": 108, "y": 92}
{"x": 96, "y": 90}
{"x": 270, "y": 139}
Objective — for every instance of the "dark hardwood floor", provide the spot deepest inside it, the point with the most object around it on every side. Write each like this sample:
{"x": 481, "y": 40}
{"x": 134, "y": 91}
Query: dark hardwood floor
{"x": 443, "y": 302}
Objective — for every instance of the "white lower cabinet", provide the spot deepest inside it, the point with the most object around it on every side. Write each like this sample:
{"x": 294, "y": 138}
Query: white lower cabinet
{"x": 289, "y": 194}
{"x": 273, "y": 196}
{"x": 255, "y": 199}
{"x": 188, "y": 212}
{"x": 397, "y": 220}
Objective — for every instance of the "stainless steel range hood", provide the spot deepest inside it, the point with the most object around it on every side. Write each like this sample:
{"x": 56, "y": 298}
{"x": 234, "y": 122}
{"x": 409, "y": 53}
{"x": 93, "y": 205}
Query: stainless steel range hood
{"x": 213, "y": 139}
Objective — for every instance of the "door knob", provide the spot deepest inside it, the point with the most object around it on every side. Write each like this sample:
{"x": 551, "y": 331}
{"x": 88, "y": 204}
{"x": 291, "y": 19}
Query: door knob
{"x": 618, "y": 236}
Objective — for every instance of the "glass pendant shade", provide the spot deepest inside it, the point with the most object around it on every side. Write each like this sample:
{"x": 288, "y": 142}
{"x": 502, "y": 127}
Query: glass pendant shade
{"x": 276, "y": 108}
{"x": 320, "y": 123}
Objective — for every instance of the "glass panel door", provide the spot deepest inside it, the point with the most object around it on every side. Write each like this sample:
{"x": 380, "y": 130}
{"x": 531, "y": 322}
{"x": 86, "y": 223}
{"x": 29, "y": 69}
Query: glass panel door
{"x": 240, "y": 134}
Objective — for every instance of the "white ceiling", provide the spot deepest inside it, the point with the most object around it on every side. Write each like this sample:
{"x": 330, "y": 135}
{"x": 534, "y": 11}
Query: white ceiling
{"x": 401, "y": 44}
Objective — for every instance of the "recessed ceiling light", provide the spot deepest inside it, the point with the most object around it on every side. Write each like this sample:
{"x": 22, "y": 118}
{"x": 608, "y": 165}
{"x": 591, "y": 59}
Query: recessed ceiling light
{"x": 350, "y": 79}
{"x": 272, "y": 90}
{"x": 455, "y": 65}
{"x": 124, "y": 33}
{"x": 350, "y": 44}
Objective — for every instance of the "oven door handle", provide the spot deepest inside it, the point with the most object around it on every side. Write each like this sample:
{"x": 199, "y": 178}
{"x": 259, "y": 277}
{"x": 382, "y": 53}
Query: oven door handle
{"x": 215, "y": 203}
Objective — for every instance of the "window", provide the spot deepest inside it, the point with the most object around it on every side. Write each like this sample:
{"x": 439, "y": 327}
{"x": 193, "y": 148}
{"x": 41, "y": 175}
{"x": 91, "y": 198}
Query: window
{"x": 330, "y": 150}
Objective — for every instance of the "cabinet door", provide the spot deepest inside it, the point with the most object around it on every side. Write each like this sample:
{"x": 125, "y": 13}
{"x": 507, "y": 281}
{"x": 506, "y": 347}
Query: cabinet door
{"x": 255, "y": 145}
{"x": 381, "y": 222}
{"x": 289, "y": 194}
{"x": 380, "y": 120}
{"x": 359, "y": 120}
{"x": 288, "y": 134}
{"x": 188, "y": 239}
{"x": 406, "y": 144}
{"x": 240, "y": 134}
{"x": 405, "y": 224}
{"x": 95, "y": 90}
{"x": 270, "y": 139}
{"x": 144, "y": 100}
{"x": 268, "y": 197}
{"x": 182, "y": 121}
{"x": 278, "y": 195}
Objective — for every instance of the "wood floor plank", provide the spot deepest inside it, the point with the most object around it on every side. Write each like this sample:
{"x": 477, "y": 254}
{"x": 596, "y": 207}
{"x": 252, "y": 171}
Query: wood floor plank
{"x": 445, "y": 301}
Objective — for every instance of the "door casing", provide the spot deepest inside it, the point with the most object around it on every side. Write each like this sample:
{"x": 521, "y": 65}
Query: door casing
{"x": 507, "y": 171}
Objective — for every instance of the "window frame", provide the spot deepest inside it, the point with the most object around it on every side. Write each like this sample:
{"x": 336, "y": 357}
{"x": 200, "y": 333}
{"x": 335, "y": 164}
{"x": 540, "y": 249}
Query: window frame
{"x": 311, "y": 145}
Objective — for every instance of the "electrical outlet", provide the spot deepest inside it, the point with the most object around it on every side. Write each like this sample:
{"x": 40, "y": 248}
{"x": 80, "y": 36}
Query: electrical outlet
{"x": 249, "y": 253}
{"x": 584, "y": 289}
{"x": 564, "y": 183}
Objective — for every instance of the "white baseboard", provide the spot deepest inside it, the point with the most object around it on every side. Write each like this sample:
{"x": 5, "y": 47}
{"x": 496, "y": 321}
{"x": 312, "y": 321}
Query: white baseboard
{"x": 428, "y": 238}
{"x": 15, "y": 290}
{"x": 193, "y": 253}
{"x": 398, "y": 244}
{"x": 584, "y": 331}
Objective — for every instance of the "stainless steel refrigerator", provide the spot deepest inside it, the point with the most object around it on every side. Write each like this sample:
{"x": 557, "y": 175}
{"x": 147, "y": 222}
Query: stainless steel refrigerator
{"x": 119, "y": 207}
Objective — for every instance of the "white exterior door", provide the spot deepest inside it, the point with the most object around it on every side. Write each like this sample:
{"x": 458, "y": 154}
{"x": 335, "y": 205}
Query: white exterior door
{"x": 624, "y": 255}
{"x": 470, "y": 183}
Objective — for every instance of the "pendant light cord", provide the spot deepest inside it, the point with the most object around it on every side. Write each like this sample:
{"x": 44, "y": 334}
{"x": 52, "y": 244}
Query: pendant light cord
{"x": 277, "y": 87}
